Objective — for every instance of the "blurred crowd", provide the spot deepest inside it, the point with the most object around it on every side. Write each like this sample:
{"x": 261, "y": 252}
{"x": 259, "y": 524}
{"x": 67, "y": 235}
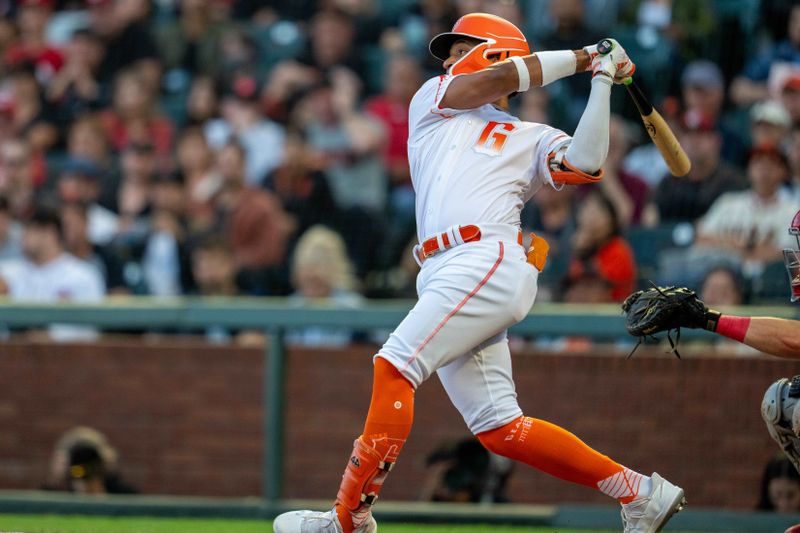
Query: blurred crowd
{"x": 257, "y": 147}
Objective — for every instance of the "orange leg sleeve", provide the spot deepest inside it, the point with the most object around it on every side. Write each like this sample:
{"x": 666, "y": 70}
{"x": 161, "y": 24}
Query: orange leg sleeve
{"x": 391, "y": 413}
{"x": 550, "y": 449}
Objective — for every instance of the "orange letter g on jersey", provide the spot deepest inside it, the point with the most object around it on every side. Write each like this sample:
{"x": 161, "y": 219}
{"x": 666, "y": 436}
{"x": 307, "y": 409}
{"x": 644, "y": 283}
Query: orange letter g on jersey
{"x": 493, "y": 137}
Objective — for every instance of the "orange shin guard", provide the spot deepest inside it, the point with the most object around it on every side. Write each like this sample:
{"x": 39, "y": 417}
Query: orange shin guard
{"x": 363, "y": 477}
{"x": 388, "y": 424}
{"x": 550, "y": 449}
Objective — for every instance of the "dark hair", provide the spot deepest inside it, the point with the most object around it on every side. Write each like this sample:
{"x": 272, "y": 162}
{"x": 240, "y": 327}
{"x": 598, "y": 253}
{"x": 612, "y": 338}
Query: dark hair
{"x": 608, "y": 206}
{"x": 735, "y": 274}
{"x": 779, "y": 467}
{"x": 45, "y": 217}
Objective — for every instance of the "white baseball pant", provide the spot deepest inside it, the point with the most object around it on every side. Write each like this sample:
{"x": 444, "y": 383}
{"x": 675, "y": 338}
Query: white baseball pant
{"x": 468, "y": 297}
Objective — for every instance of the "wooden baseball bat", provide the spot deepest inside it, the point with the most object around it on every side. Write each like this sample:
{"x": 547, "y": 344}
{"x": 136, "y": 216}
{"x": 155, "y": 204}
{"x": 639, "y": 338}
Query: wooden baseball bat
{"x": 661, "y": 134}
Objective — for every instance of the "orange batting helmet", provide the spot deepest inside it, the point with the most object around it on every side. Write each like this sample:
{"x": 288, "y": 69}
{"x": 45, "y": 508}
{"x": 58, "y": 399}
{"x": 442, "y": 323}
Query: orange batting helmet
{"x": 497, "y": 36}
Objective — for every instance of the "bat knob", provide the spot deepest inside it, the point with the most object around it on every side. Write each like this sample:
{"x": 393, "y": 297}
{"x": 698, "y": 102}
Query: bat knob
{"x": 604, "y": 46}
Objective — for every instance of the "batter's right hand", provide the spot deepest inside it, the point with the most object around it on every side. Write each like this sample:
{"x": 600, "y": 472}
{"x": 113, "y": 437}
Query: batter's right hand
{"x": 615, "y": 64}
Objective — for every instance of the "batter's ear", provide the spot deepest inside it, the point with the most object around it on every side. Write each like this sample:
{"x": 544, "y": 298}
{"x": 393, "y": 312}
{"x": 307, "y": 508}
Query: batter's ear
{"x": 563, "y": 172}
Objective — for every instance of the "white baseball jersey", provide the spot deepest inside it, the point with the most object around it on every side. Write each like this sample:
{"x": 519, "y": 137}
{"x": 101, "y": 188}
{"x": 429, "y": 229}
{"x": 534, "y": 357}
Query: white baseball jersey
{"x": 475, "y": 166}
{"x": 65, "y": 279}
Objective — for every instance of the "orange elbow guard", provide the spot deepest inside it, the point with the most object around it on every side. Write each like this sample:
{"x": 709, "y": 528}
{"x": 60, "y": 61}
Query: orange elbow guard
{"x": 563, "y": 172}
{"x": 537, "y": 252}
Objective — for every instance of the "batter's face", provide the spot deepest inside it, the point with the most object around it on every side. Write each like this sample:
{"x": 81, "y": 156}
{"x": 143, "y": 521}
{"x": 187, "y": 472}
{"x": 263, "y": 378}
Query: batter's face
{"x": 458, "y": 50}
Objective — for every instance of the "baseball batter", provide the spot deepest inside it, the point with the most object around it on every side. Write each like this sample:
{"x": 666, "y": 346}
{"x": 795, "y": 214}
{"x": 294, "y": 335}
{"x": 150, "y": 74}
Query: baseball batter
{"x": 473, "y": 166}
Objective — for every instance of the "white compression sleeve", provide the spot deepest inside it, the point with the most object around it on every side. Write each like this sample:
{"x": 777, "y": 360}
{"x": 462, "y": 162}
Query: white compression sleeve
{"x": 589, "y": 146}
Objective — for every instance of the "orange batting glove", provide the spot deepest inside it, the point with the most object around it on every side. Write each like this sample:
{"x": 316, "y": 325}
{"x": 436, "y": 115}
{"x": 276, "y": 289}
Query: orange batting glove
{"x": 537, "y": 252}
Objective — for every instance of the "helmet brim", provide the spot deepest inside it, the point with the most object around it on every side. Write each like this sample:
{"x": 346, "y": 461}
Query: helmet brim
{"x": 441, "y": 44}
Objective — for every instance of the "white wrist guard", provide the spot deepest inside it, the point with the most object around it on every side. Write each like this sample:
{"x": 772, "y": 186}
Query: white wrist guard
{"x": 523, "y": 72}
{"x": 556, "y": 65}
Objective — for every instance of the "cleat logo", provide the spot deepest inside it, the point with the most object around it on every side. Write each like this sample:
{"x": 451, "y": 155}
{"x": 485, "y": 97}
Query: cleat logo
{"x": 355, "y": 461}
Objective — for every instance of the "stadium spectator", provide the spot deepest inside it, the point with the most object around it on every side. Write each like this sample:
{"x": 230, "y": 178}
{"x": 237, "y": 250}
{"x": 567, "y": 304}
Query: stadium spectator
{"x": 349, "y": 142}
{"x": 190, "y": 45}
{"x": 238, "y": 54}
{"x": 262, "y": 139}
{"x": 751, "y": 222}
{"x": 16, "y": 177}
{"x": 322, "y": 272}
{"x": 390, "y": 108}
{"x": 213, "y": 268}
{"x": 81, "y": 180}
{"x": 602, "y": 268}
{"x": 284, "y": 83}
{"x": 134, "y": 115}
{"x": 628, "y": 192}
{"x": 255, "y": 224}
{"x": 535, "y": 106}
{"x": 202, "y": 103}
{"x": 32, "y": 48}
{"x": 687, "y": 198}
{"x": 683, "y": 24}
{"x": 331, "y": 44}
{"x": 214, "y": 274}
{"x": 568, "y": 31}
{"x": 258, "y": 9}
{"x": 75, "y": 226}
{"x": 201, "y": 179}
{"x": 32, "y": 119}
{"x": 87, "y": 140}
{"x": 403, "y": 78}
{"x": 83, "y": 461}
{"x": 552, "y": 215}
{"x": 76, "y": 89}
{"x": 751, "y": 85}
{"x": 703, "y": 91}
{"x": 138, "y": 168}
{"x": 10, "y": 233}
{"x": 790, "y": 97}
{"x": 722, "y": 286}
{"x": 780, "y": 487}
{"x": 770, "y": 123}
{"x": 127, "y": 41}
{"x": 302, "y": 189}
{"x": 49, "y": 274}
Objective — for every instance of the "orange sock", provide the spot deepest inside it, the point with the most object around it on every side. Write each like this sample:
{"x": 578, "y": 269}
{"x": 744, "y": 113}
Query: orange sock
{"x": 391, "y": 413}
{"x": 559, "y": 453}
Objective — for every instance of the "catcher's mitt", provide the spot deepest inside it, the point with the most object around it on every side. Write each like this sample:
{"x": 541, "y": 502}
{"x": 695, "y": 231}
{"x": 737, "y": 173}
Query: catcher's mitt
{"x": 659, "y": 309}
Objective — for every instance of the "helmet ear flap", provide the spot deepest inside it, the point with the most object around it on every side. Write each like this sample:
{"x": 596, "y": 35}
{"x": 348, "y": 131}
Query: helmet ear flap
{"x": 472, "y": 61}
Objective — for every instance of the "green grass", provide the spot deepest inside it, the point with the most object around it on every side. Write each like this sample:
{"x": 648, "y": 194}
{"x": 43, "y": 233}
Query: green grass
{"x": 102, "y": 524}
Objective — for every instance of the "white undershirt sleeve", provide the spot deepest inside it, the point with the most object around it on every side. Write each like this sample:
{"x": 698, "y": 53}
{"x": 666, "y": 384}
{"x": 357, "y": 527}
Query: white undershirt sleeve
{"x": 589, "y": 146}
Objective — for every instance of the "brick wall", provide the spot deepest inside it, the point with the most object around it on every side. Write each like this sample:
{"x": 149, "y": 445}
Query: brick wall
{"x": 186, "y": 417}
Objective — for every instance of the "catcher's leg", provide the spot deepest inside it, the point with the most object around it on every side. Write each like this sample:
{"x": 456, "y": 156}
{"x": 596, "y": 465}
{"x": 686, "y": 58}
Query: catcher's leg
{"x": 388, "y": 424}
{"x": 780, "y": 409}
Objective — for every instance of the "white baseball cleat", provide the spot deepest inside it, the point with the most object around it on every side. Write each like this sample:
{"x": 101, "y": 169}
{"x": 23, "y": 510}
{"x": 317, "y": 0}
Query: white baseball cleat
{"x": 316, "y": 522}
{"x": 649, "y": 514}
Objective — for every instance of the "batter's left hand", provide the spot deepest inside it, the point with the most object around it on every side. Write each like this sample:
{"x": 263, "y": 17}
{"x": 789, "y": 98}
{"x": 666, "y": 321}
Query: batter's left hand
{"x": 615, "y": 64}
